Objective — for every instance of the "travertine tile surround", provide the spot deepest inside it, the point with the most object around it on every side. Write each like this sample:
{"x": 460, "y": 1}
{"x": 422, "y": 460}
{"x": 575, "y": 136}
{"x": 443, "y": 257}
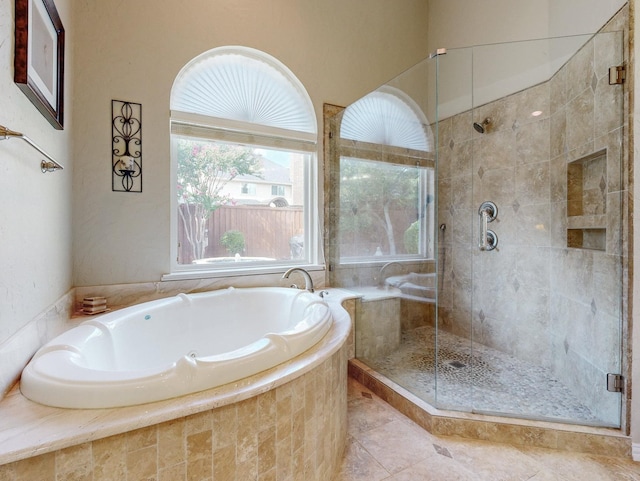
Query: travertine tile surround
{"x": 377, "y": 327}
{"x": 288, "y": 423}
{"x": 294, "y": 432}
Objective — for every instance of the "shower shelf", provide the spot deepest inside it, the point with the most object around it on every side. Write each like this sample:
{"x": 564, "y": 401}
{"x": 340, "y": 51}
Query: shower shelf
{"x": 587, "y": 222}
{"x": 587, "y": 202}
{"x": 594, "y": 239}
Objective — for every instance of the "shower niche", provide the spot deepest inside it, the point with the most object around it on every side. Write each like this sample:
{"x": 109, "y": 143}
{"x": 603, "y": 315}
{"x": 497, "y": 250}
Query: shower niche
{"x": 587, "y": 202}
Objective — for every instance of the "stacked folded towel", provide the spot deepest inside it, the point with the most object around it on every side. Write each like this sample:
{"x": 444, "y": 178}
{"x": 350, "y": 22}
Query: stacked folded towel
{"x": 94, "y": 305}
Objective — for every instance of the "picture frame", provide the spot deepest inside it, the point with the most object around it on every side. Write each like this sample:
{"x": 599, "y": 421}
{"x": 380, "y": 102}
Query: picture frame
{"x": 39, "y": 57}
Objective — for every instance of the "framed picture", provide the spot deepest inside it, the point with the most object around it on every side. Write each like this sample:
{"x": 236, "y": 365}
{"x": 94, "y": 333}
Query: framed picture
{"x": 39, "y": 57}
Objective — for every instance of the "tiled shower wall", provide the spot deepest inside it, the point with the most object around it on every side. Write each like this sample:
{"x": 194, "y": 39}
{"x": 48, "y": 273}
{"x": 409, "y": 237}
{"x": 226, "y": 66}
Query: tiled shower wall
{"x": 534, "y": 297}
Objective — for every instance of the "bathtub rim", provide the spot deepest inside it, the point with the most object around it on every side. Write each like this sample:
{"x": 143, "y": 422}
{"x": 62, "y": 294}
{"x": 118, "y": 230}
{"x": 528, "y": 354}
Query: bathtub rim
{"x": 34, "y": 429}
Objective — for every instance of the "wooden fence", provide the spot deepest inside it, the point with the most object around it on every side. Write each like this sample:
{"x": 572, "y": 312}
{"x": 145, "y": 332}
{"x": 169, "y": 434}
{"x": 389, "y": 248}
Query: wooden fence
{"x": 267, "y": 231}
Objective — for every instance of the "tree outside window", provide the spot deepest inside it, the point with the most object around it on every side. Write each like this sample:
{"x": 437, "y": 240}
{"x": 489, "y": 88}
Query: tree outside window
{"x": 379, "y": 203}
{"x": 204, "y": 169}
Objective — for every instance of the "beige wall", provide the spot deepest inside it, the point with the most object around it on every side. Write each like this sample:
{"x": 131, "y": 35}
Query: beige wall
{"x": 339, "y": 51}
{"x": 456, "y": 24}
{"x": 460, "y": 23}
{"x": 35, "y": 208}
{"x": 563, "y": 20}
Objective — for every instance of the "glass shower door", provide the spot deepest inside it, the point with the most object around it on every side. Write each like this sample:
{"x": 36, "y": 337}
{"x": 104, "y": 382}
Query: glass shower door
{"x": 531, "y": 189}
{"x": 382, "y": 239}
{"x": 454, "y": 336}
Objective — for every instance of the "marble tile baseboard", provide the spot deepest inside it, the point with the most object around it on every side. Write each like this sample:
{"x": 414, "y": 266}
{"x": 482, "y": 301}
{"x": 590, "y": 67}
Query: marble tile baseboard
{"x": 120, "y": 295}
{"x": 16, "y": 351}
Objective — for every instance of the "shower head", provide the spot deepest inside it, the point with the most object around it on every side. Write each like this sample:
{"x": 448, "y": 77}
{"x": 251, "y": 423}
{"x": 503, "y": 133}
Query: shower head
{"x": 480, "y": 127}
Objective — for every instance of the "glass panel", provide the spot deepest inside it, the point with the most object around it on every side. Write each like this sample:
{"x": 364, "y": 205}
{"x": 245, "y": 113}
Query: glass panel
{"x": 454, "y": 173}
{"x": 383, "y": 211}
{"x": 239, "y": 203}
{"x": 542, "y": 141}
{"x": 528, "y": 329}
{"x": 382, "y": 217}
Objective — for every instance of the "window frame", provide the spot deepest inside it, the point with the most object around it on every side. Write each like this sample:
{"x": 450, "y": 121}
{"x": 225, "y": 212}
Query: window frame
{"x": 427, "y": 230}
{"x": 209, "y": 128}
{"x": 280, "y": 190}
{"x": 241, "y": 95}
{"x": 248, "y": 188}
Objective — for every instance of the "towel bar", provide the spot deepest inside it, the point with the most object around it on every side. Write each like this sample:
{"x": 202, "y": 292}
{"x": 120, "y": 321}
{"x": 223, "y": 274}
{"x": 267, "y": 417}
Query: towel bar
{"x": 49, "y": 165}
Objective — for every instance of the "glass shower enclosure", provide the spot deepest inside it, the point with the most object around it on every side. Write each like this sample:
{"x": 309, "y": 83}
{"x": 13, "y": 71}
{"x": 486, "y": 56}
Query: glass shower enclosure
{"x": 507, "y": 299}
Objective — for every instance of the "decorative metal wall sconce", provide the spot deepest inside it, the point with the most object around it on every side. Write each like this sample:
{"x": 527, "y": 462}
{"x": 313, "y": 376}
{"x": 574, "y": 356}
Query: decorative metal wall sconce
{"x": 126, "y": 160}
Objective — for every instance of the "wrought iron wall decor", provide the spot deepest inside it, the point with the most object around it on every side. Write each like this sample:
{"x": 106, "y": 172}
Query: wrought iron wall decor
{"x": 126, "y": 160}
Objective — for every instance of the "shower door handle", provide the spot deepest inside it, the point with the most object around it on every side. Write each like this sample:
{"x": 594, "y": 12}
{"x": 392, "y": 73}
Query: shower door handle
{"x": 488, "y": 212}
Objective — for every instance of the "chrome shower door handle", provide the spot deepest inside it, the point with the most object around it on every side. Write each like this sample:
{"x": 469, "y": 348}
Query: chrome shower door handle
{"x": 488, "y": 212}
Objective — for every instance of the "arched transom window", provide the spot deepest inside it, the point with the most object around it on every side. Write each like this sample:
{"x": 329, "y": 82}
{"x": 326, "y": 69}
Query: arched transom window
{"x": 244, "y": 134}
{"x": 387, "y": 116}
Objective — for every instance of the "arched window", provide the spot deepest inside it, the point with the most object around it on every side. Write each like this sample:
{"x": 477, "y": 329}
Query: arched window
{"x": 387, "y": 116}
{"x": 242, "y": 123}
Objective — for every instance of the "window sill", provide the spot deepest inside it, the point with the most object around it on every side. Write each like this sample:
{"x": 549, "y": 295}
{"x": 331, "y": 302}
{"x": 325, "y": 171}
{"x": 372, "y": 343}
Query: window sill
{"x": 237, "y": 272}
{"x": 380, "y": 261}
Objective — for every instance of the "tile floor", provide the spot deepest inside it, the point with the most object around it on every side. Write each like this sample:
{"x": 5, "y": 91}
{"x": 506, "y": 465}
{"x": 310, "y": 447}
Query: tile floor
{"x": 385, "y": 445}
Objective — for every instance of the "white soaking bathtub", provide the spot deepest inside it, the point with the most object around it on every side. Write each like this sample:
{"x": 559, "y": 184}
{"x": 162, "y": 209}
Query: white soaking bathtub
{"x": 175, "y": 346}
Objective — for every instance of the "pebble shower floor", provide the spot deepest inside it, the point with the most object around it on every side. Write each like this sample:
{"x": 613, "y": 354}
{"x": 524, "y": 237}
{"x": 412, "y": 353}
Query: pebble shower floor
{"x": 478, "y": 379}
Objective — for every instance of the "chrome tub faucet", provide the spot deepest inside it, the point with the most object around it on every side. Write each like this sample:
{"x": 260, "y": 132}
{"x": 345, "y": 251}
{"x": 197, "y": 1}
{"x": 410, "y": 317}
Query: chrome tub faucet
{"x": 307, "y": 278}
